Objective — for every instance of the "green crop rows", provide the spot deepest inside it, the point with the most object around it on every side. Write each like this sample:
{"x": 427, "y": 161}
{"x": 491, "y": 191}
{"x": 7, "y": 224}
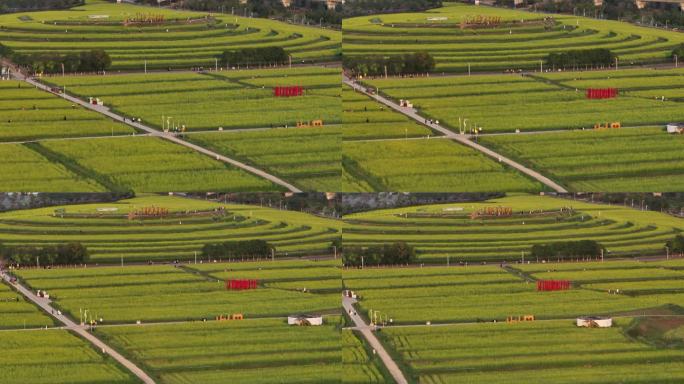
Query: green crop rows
{"x": 506, "y": 103}
{"x": 110, "y": 238}
{"x": 16, "y": 312}
{"x": 358, "y": 365}
{"x": 548, "y": 352}
{"x": 149, "y": 164}
{"x": 167, "y": 293}
{"x": 438, "y": 231}
{"x": 27, "y": 170}
{"x": 307, "y": 157}
{"x": 229, "y": 99}
{"x": 56, "y": 357}
{"x": 519, "y": 43}
{"x": 465, "y": 294}
{"x": 29, "y": 114}
{"x": 642, "y": 159}
{"x": 248, "y": 351}
{"x": 175, "y": 43}
{"x": 364, "y": 119}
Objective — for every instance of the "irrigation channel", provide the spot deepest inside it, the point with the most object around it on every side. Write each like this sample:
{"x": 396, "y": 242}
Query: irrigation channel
{"x": 44, "y": 304}
{"x": 167, "y": 136}
{"x": 463, "y": 139}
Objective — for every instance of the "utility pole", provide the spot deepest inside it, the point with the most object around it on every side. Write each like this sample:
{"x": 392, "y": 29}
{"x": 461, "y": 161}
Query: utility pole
{"x": 468, "y": 69}
{"x": 122, "y": 260}
{"x": 362, "y": 262}
{"x": 272, "y": 254}
{"x": 145, "y": 66}
{"x": 215, "y": 59}
{"x": 385, "y": 71}
{"x": 667, "y": 253}
{"x": 523, "y": 257}
{"x": 676, "y": 61}
{"x": 335, "y": 251}
{"x": 195, "y": 257}
{"x": 602, "y": 255}
{"x": 447, "y": 260}
{"x": 541, "y": 66}
{"x": 616, "y": 64}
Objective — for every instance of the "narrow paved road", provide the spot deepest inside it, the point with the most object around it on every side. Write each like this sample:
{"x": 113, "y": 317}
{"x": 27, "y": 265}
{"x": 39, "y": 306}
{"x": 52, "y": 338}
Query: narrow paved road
{"x": 72, "y": 326}
{"x": 463, "y": 139}
{"x": 167, "y": 136}
{"x": 366, "y": 331}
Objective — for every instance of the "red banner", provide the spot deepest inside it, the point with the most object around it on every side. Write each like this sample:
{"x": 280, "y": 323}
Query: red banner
{"x": 241, "y": 284}
{"x": 553, "y": 285}
{"x": 602, "y": 93}
{"x": 289, "y": 91}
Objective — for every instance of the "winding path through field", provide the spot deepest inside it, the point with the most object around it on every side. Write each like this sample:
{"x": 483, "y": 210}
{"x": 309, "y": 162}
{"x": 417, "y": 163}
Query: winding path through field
{"x": 167, "y": 136}
{"x": 81, "y": 331}
{"x": 463, "y": 139}
{"x": 366, "y": 331}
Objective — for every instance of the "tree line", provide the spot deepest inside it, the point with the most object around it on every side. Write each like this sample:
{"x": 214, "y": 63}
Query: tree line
{"x": 398, "y": 253}
{"x": 241, "y": 249}
{"x": 254, "y": 56}
{"x": 96, "y": 60}
{"x": 60, "y": 254}
{"x": 581, "y": 249}
{"x": 597, "y": 57}
{"x": 676, "y": 245}
{"x": 405, "y": 64}
{"x": 7, "y": 6}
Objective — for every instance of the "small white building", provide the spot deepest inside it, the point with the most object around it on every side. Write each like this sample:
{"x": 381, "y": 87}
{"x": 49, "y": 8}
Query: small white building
{"x": 595, "y": 322}
{"x": 675, "y": 128}
{"x": 305, "y": 320}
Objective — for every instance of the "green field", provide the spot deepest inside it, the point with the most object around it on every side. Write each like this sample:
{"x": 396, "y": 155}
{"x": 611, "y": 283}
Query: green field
{"x": 639, "y": 160}
{"x": 428, "y": 165}
{"x": 229, "y": 99}
{"x": 519, "y": 42}
{"x": 28, "y": 114}
{"x": 56, "y": 357}
{"x": 248, "y": 351}
{"x": 468, "y": 294}
{"x": 27, "y": 170}
{"x": 193, "y": 292}
{"x": 307, "y": 157}
{"x": 16, "y": 312}
{"x": 175, "y": 43}
{"x": 111, "y": 236}
{"x": 150, "y": 164}
{"x": 364, "y": 119}
{"x": 446, "y": 230}
{"x": 506, "y": 103}
{"x": 358, "y": 364}
{"x": 541, "y": 352}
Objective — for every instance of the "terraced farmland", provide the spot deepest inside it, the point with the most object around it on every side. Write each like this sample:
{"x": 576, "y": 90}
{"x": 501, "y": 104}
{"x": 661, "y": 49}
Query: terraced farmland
{"x": 56, "y": 357}
{"x": 149, "y": 164}
{"x": 308, "y": 157}
{"x": 26, "y": 170}
{"x": 15, "y": 312}
{"x": 465, "y": 294}
{"x": 29, "y": 114}
{"x": 182, "y": 40}
{"x": 507, "y": 103}
{"x": 540, "y": 352}
{"x": 229, "y": 99}
{"x": 441, "y": 231}
{"x": 359, "y": 366}
{"x": 429, "y": 165}
{"x": 364, "y": 119}
{"x": 113, "y": 236}
{"x": 520, "y": 41}
{"x": 640, "y": 160}
{"x": 248, "y": 351}
{"x": 168, "y": 293}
